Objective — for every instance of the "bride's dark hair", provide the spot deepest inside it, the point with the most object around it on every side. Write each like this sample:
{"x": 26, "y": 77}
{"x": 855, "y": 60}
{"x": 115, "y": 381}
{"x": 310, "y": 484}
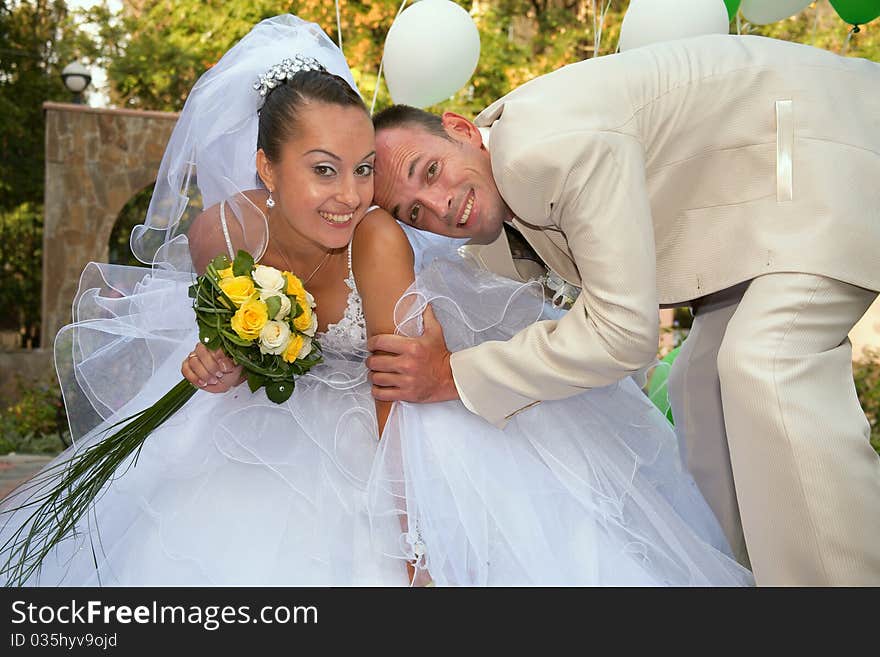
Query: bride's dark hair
{"x": 280, "y": 111}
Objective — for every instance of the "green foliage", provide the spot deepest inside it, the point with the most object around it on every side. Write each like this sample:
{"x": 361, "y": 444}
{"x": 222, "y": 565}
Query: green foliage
{"x": 37, "y": 422}
{"x": 21, "y": 256}
{"x": 819, "y": 25}
{"x": 867, "y": 377}
{"x": 155, "y": 50}
{"x": 38, "y": 38}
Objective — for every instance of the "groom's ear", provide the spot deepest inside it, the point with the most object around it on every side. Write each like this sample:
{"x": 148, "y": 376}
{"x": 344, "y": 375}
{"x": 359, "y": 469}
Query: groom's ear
{"x": 461, "y": 129}
{"x": 264, "y": 170}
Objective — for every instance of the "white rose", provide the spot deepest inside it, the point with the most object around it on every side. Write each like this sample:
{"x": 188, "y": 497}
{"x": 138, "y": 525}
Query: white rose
{"x": 284, "y": 311}
{"x": 311, "y": 299}
{"x": 269, "y": 278}
{"x": 306, "y": 348}
{"x": 313, "y": 326}
{"x": 274, "y": 337}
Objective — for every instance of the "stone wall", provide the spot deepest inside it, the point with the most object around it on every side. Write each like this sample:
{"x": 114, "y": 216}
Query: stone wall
{"x": 96, "y": 160}
{"x": 25, "y": 365}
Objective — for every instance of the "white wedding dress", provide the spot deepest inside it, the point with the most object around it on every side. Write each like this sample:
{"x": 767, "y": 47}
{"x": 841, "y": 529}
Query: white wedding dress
{"x": 236, "y": 490}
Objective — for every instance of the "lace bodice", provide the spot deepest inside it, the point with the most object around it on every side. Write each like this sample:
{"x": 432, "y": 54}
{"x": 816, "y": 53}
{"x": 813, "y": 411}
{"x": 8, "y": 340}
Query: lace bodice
{"x": 349, "y": 334}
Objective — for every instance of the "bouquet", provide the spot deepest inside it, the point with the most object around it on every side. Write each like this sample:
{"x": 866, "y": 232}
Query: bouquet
{"x": 261, "y": 317}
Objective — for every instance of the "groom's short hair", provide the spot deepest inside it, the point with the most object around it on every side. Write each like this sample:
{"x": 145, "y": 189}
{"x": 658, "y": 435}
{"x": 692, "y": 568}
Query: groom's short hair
{"x": 404, "y": 116}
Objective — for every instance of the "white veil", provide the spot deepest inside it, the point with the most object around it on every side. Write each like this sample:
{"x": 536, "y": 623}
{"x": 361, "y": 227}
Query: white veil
{"x": 213, "y": 147}
{"x": 127, "y": 324}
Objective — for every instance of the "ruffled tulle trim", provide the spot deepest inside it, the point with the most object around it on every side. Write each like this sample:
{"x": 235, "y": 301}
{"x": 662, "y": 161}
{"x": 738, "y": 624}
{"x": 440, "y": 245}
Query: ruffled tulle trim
{"x": 237, "y": 490}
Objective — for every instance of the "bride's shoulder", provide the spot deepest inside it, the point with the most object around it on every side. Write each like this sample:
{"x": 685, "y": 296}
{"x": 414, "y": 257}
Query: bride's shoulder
{"x": 206, "y": 235}
{"x": 378, "y": 229}
{"x": 379, "y": 242}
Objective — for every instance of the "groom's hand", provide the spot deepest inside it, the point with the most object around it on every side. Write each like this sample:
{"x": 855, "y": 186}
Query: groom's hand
{"x": 412, "y": 369}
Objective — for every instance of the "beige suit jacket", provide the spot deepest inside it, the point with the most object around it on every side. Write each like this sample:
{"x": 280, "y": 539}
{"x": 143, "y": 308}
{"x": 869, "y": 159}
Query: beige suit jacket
{"x": 666, "y": 173}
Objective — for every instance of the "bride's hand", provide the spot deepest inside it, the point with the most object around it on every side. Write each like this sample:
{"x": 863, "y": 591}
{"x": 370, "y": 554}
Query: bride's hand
{"x": 211, "y": 370}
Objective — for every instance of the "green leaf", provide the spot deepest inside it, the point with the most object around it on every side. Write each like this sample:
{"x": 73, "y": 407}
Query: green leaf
{"x": 274, "y": 305}
{"x": 279, "y": 391}
{"x": 255, "y": 381}
{"x": 296, "y": 310}
{"x": 193, "y": 291}
{"x": 220, "y": 262}
{"x": 243, "y": 264}
{"x": 209, "y": 336}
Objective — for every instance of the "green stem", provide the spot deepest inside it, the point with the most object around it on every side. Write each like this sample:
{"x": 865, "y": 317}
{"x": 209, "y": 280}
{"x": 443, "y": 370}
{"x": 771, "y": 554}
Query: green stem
{"x": 64, "y": 492}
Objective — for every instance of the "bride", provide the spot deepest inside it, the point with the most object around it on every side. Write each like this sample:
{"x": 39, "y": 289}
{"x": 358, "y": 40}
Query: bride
{"x": 234, "y": 489}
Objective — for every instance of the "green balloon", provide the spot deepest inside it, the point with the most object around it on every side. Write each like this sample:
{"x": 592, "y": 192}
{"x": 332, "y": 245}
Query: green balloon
{"x": 732, "y": 7}
{"x": 857, "y": 12}
{"x": 657, "y": 385}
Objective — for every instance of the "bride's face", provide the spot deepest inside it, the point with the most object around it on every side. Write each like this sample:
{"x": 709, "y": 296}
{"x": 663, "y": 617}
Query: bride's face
{"x": 323, "y": 182}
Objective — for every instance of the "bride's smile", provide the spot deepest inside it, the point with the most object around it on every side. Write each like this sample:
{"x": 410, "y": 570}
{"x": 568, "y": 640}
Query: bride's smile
{"x": 321, "y": 177}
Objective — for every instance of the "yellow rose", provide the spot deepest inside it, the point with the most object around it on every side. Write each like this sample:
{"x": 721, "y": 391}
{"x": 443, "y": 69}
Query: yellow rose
{"x": 303, "y": 322}
{"x": 225, "y": 273}
{"x": 238, "y": 288}
{"x": 250, "y": 319}
{"x": 293, "y": 348}
{"x": 295, "y": 288}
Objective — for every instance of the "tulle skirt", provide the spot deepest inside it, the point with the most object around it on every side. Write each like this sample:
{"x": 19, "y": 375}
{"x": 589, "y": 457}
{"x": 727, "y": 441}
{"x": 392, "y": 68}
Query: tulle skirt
{"x": 237, "y": 490}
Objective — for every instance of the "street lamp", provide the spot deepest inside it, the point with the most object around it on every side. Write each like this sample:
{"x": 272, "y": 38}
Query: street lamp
{"x": 76, "y": 78}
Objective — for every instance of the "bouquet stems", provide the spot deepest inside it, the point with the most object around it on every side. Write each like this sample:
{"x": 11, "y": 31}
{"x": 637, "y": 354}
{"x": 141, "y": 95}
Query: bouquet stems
{"x": 63, "y": 493}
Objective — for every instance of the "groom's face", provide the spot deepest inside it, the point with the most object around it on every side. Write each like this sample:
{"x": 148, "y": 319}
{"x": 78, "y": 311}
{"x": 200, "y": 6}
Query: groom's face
{"x": 443, "y": 186}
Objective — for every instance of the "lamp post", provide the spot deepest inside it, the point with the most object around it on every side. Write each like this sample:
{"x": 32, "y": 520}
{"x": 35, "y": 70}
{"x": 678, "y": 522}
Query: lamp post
{"x": 76, "y": 78}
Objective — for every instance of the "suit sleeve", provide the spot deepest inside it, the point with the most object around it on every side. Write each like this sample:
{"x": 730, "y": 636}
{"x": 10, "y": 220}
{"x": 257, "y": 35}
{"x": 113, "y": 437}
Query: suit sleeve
{"x": 595, "y": 184}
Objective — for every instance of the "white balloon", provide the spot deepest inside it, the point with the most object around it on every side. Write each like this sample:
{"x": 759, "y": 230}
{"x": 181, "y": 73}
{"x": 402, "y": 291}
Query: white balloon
{"x": 762, "y": 12}
{"x": 652, "y": 21}
{"x": 431, "y": 51}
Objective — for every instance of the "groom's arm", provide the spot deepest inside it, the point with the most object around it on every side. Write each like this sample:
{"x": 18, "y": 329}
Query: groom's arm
{"x": 595, "y": 184}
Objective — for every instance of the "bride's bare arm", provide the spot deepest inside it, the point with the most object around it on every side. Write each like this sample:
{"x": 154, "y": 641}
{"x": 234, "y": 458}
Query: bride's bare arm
{"x": 382, "y": 260}
{"x": 212, "y": 371}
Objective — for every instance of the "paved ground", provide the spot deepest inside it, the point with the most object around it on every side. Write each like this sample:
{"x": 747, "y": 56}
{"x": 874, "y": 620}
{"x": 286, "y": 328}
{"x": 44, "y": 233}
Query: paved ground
{"x": 16, "y": 468}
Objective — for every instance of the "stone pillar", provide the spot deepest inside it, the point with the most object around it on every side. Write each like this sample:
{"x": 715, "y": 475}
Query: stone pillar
{"x": 96, "y": 160}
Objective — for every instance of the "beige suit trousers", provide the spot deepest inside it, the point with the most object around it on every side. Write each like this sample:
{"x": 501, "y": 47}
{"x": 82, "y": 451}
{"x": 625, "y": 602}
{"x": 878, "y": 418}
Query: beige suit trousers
{"x": 772, "y": 430}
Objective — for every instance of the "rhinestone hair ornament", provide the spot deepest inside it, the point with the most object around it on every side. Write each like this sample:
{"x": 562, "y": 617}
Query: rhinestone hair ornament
{"x": 280, "y": 73}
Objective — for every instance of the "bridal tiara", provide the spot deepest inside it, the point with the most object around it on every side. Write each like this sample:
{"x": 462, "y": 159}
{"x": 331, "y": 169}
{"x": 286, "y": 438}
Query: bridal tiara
{"x": 280, "y": 73}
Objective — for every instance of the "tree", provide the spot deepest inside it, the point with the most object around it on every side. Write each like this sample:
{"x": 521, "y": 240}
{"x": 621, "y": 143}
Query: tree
{"x": 819, "y": 25}
{"x": 155, "y": 50}
{"x": 37, "y": 39}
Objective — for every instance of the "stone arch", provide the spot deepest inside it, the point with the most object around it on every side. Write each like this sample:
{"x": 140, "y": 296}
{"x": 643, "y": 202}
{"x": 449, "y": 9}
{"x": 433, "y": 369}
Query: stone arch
{"x": 130, "y": 215}
{"x": 96, "y": 160}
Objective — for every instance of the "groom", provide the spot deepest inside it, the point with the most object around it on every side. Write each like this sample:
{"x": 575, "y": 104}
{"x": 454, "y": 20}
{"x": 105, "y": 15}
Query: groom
{"x": 737, "y": 175}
